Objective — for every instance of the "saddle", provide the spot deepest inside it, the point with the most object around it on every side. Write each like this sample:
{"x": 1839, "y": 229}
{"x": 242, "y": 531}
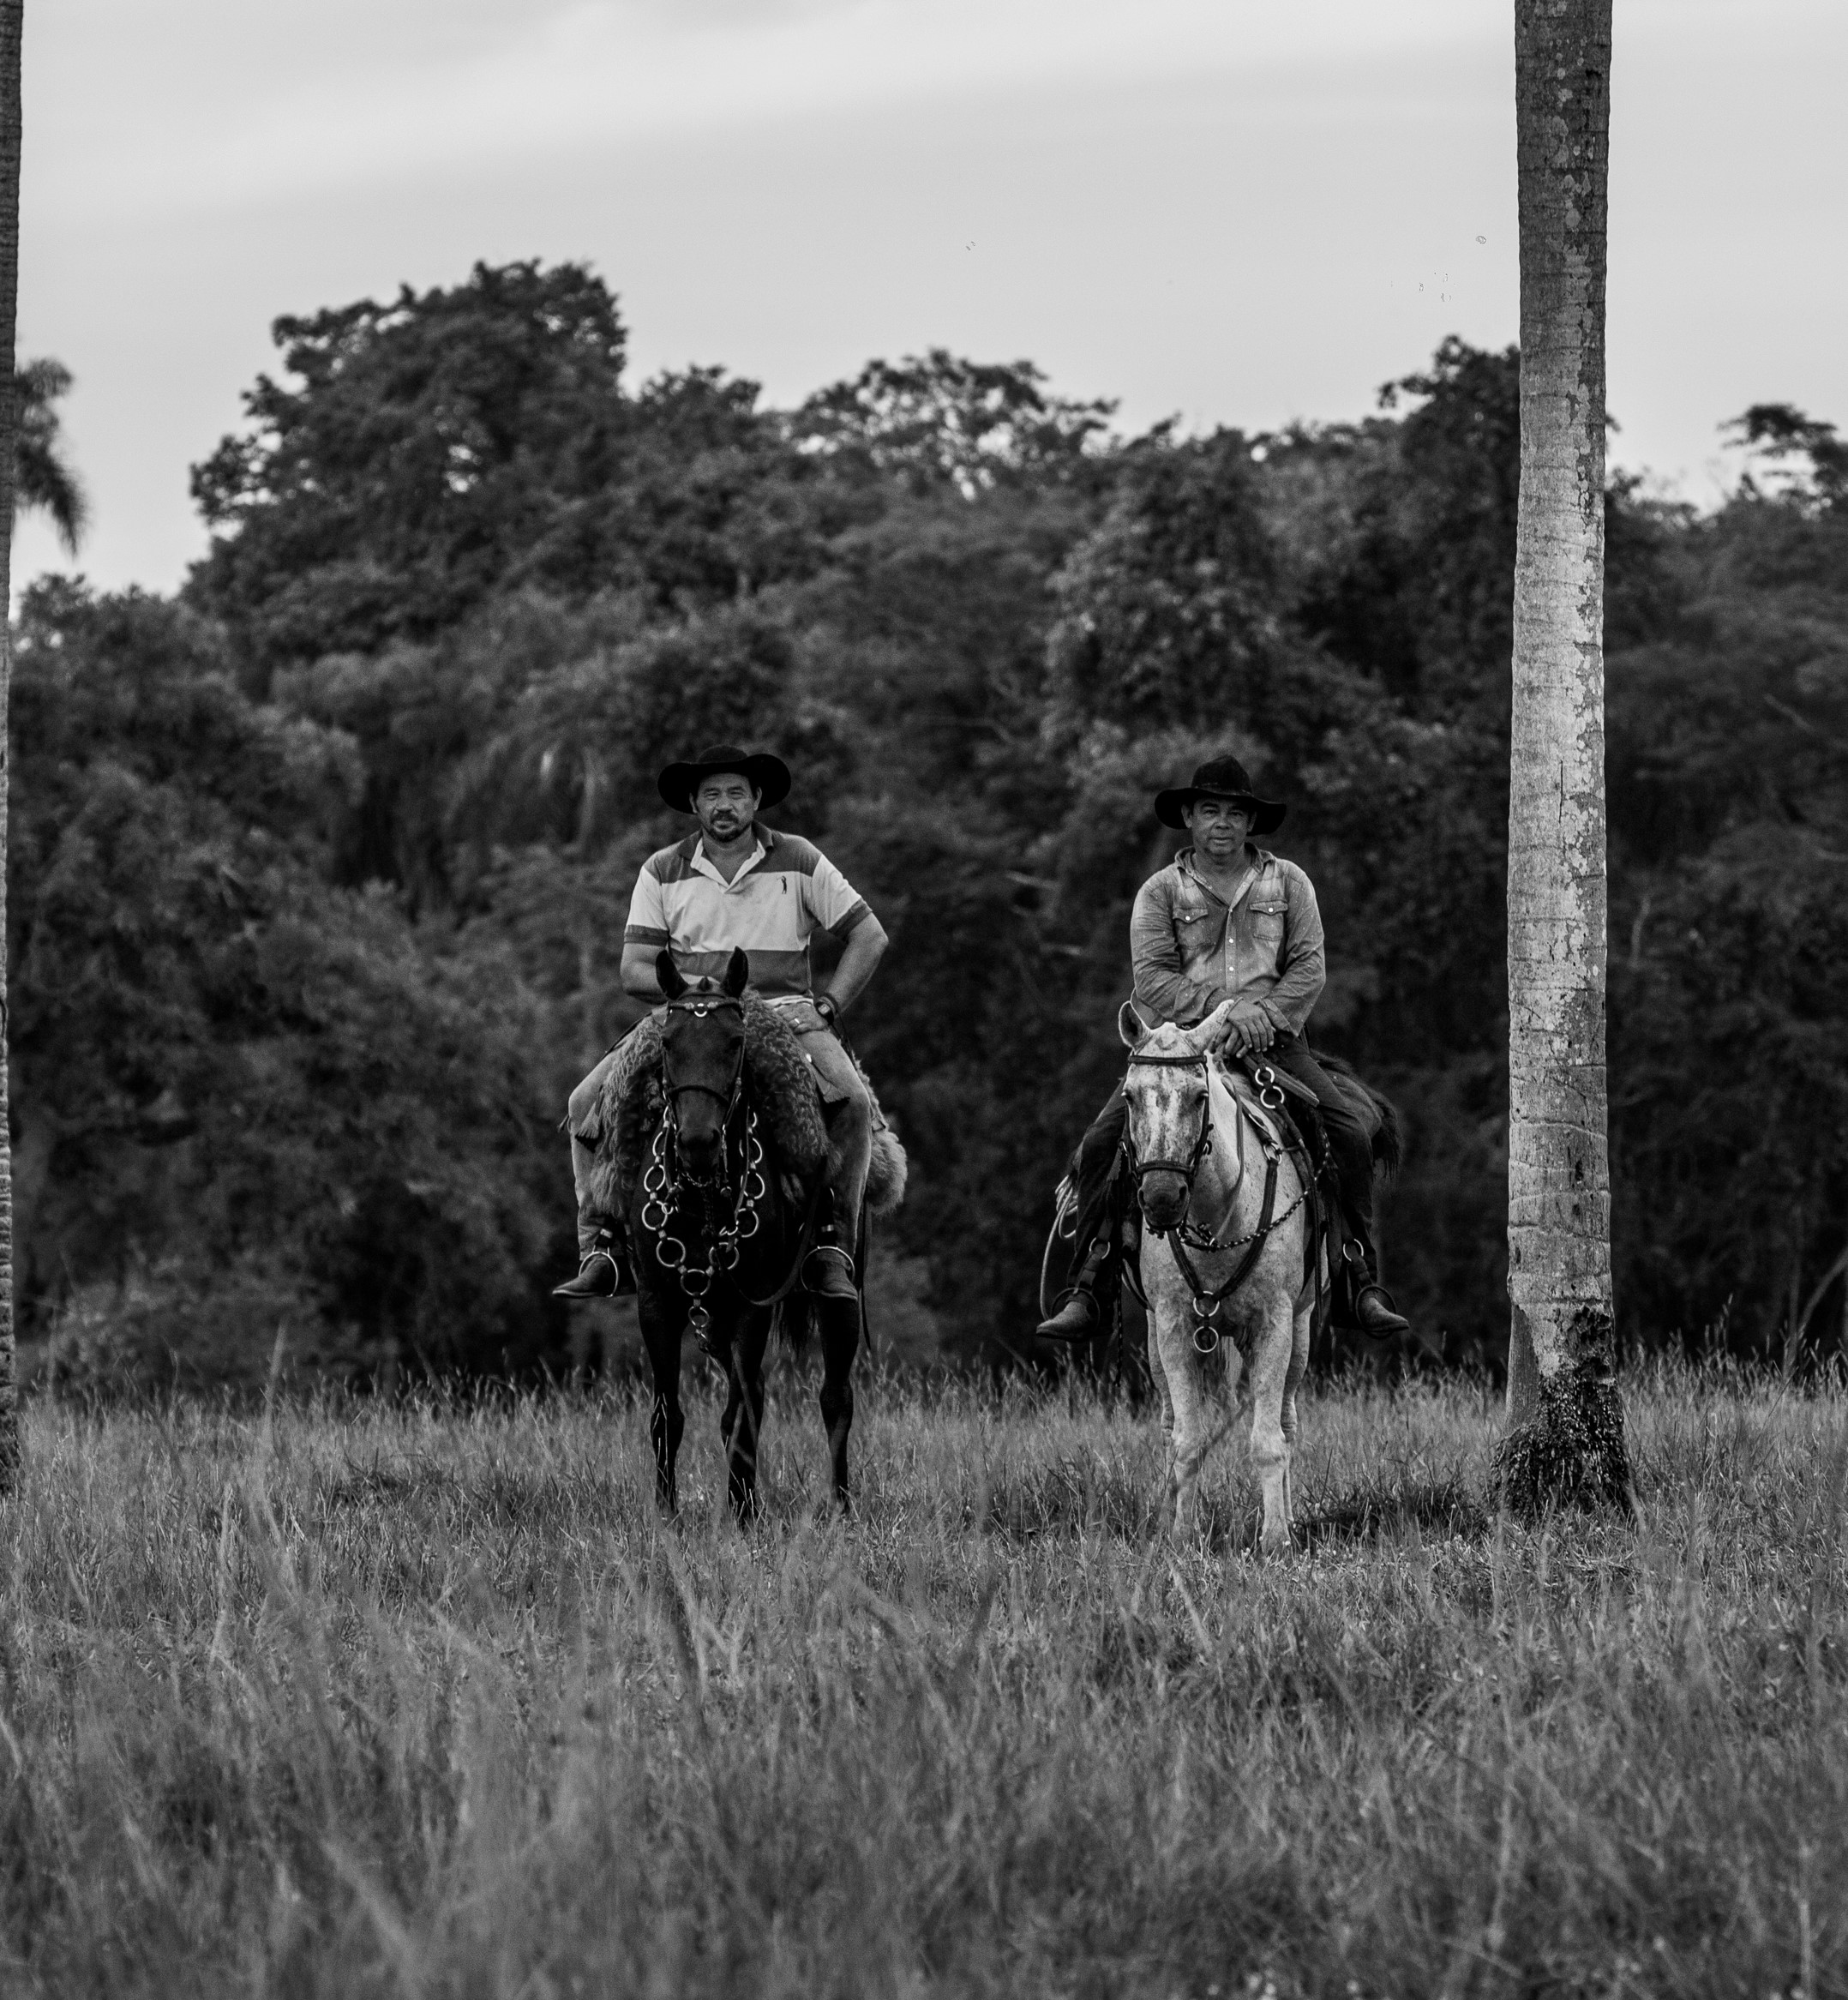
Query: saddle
{"x": 1293, "y": 1113}
{"x": 781, "y": 1085}
{"x": 784, "y": 1088}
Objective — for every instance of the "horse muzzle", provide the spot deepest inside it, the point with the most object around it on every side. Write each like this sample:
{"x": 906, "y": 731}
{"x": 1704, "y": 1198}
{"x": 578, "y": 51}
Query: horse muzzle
{"x": 1165, "y": 1196}
{"x": 700, "y": 1151}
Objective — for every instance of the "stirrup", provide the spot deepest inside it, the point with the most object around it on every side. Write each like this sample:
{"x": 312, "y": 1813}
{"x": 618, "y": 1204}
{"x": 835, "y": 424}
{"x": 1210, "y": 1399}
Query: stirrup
{"x": 583, "y": 1285}
{"x": 830, "y": 1250}
{"x": 621, "y": 1283}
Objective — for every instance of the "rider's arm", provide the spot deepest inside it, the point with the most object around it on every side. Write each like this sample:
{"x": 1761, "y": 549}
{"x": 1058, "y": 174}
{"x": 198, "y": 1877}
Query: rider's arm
{"x": 645, "y": 937}
{"x": 1161, "y": 987}
{"x": 834, "y": 904}
{"x": 1303, "y": 970}
{"x": 866, "y": 947}
{"x": 639, "y": 979}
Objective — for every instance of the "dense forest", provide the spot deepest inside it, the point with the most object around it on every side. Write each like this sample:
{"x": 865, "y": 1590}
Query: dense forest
{"x": 320, "y": 866}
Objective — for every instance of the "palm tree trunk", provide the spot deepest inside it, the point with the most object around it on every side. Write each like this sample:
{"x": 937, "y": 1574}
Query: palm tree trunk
{"x": 12, "y": 26}
{"x": 1565, "y": 1435}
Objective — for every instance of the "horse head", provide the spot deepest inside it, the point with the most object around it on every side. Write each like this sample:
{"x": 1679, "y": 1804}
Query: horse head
{"x": 1168, "y": 1091}
{"x": 702, "y": 1058}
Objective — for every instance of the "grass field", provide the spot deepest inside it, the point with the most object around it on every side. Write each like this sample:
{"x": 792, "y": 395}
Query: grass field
{"x": 423, "y": 1699}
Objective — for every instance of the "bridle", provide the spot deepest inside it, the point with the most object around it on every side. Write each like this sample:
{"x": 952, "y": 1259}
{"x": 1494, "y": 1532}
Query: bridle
{"x": 1207, "y": 1300}
{"x": 1190, "y": 1166}
{"x": 704, "y": 1004}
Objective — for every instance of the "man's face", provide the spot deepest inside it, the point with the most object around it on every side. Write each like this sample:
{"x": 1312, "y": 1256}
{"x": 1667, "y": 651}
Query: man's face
{"x": 725, "y": 805}
{"x": 1219, "y": 827}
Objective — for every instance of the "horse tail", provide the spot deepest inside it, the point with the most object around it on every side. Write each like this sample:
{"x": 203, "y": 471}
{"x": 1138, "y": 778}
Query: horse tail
{"x": 795, "y": 1321}
{"x": 1389, "y": 1139}
{"x": 1388, "y": 1143}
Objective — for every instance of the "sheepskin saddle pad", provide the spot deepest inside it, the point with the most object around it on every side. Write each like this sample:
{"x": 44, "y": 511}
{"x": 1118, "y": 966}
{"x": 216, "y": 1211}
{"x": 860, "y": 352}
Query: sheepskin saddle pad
{"x": 782, "y": 1089}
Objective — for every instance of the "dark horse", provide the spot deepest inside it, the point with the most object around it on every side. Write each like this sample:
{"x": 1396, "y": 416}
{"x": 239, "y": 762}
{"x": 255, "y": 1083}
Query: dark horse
{"x": 721, "y": 1218}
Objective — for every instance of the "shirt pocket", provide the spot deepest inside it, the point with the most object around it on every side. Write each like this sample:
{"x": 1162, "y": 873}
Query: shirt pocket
{"x": 1267, "y": 921}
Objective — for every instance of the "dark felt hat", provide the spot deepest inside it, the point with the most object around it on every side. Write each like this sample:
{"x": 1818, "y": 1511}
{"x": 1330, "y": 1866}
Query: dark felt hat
{"x": 1220, "y": 778}
{"x": 771, "y": 775}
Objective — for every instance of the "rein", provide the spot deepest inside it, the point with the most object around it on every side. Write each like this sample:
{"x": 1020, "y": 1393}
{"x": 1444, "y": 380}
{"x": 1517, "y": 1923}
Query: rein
{"x": 1207, "y": 1302}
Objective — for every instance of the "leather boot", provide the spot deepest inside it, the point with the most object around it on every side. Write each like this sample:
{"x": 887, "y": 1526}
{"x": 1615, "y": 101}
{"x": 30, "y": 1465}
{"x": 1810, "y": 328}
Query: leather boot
{"x": 828, "y": 1270}
{"x": 1380, "y": 1319}
{"x": 602, "y": 1272}
{"x": 1081, "y": 1315}
{"x": 828, "y": 1273}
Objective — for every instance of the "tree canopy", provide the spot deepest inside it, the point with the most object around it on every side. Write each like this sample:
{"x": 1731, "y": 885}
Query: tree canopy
{"x": 320, "y": 871}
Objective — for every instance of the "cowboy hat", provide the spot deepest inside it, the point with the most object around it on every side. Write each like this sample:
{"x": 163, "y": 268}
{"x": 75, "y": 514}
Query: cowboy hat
{"x": 1220, "y": 778}
{"x": 769, "y": 775}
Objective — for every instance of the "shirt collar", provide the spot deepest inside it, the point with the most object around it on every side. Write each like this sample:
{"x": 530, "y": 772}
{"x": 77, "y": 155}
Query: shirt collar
{"x": 1255, "y": 860}
{"x": 703, "y": 864}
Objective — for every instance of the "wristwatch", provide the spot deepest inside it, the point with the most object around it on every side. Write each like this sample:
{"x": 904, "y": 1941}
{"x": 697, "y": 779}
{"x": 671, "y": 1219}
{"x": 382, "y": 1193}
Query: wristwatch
{"x": 826, "y": 1007}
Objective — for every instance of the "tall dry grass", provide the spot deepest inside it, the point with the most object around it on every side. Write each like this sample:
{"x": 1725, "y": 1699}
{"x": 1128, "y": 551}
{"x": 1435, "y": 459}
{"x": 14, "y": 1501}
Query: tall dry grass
{"x": 424, "y": 1700}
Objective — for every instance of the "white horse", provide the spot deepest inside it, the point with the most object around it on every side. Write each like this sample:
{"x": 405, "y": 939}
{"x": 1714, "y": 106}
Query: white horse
{"x": 1218, "y": 1255}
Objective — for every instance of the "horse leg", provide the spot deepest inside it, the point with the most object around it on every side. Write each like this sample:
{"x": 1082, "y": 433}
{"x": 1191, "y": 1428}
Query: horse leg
{"x": 1274, "y": 1351}
{"x": 743, "y": 1422}
{"x": 661, "y": 1335}
{"x": 840, "y": 1339}
{"x": 1190, "y": 1427}
{"x": 1158, "y": 1375}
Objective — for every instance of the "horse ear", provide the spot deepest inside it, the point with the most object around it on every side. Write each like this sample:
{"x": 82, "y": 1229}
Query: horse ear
{"x": 738, "y": 973}
{"x": 1205, "y": 1037}
{"x": 669, "y": 974}
{"x": 1130, "y": 1026}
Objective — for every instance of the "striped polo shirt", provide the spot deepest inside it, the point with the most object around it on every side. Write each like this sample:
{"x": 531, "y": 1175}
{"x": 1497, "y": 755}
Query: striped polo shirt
{"x": 785, "y": 891}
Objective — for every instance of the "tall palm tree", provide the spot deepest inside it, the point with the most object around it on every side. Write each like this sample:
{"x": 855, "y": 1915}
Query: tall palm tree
{"x": 12, "y": 24}
{"x": 45, "y": 476}
{"x": 1565, "y": 1435}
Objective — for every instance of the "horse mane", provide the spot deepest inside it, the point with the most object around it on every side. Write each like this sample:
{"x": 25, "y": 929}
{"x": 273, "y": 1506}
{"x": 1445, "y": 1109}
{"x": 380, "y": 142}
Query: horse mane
{"x": 781, "y": 1087}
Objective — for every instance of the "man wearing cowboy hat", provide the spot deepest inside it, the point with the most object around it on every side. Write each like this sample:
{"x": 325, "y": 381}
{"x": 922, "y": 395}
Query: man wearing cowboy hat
{"x": 1226, "y": 919}
{"x": 734, "y": 884}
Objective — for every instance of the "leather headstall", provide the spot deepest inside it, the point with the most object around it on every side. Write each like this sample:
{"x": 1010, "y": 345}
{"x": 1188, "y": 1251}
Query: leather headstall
{"x": 699, "y": 1006}
{"x": 1188, "y": 1169}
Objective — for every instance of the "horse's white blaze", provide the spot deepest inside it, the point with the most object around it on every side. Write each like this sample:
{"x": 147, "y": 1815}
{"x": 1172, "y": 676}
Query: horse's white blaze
{"x": 1270, "y": 1312}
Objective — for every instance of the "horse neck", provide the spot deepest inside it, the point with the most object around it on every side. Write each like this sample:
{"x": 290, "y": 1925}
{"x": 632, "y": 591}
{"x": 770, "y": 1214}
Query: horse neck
{"x": 1224, "y": 1185}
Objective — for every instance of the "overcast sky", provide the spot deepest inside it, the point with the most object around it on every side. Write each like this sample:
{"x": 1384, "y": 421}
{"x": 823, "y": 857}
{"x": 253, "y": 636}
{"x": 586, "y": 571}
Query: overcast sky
{"x": 1233, "y": 212}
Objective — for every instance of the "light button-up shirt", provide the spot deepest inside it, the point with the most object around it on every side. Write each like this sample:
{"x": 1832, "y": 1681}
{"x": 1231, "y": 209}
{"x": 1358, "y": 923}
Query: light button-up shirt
{"x": 1189, "y": 948}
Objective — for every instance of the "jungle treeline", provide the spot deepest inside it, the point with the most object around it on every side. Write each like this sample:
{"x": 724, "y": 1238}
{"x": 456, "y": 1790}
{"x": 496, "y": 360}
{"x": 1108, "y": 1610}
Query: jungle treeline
{"x": 319, "y": 867}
